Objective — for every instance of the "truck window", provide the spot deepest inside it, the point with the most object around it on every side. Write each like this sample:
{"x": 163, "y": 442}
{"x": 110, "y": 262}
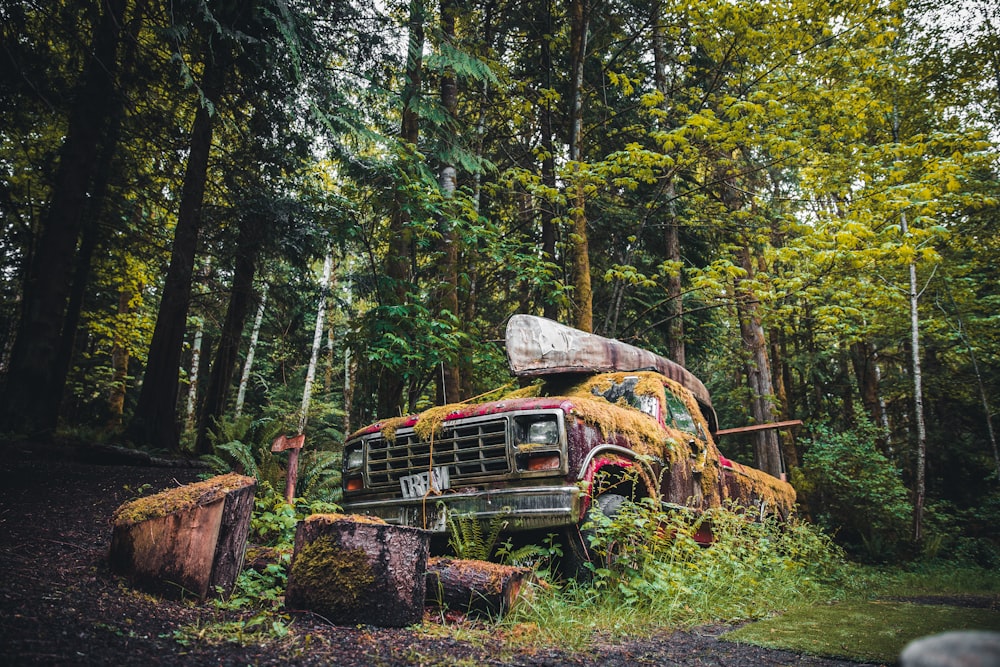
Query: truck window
{"x": 624, "y": 392}
{"x": 679, "y": 415}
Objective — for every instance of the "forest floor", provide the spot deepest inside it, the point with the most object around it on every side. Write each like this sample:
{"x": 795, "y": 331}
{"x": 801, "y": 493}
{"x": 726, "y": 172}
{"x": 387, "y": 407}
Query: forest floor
{"x": 59, "y": 604}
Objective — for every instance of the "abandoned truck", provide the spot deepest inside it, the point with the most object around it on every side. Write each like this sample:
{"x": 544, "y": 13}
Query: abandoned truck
{"x": 602, "y": 421}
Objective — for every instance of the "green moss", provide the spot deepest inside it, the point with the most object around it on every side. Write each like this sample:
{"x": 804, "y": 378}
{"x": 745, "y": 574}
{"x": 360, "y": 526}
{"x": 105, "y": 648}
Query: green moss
{"x": 866, "y": 631}
{"x": 329, "y": 576}
{"x": 180, "y": 499}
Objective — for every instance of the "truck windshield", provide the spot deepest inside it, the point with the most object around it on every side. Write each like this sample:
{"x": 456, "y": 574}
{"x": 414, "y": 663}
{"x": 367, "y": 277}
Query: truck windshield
{"x": 679, "y": 414}
{"x": 624, "y": 393}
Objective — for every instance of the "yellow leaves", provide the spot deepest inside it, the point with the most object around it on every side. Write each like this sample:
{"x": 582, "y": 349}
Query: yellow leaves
{"x": 630, "y": 276}
{"x": 652, "y": 99}
{"x": 906, "y": 253}
{"x": 621, "y": 81}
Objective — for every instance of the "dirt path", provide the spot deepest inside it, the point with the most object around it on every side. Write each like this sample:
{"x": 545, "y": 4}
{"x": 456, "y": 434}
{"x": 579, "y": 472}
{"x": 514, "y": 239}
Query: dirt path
{"x": 60, "y": 605}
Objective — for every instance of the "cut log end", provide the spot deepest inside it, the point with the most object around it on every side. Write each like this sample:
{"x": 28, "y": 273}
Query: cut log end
{"x": 474, "y": 586}
{"x": 189, "y": 540}
{"x": 352, "y": 569}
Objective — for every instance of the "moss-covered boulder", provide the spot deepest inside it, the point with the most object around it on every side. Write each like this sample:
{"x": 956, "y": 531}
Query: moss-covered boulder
{"x": 353, "y": 569}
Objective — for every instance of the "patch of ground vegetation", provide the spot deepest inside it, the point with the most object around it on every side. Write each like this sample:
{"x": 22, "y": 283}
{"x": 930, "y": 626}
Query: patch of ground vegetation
{"x": 654, "y": 594}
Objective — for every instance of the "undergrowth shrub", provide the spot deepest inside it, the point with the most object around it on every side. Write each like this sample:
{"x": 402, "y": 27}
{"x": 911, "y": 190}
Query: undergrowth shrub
{"x": 852, "y": 490}
{"x": 650, "y": 572}
{"x": 244, "y": 444}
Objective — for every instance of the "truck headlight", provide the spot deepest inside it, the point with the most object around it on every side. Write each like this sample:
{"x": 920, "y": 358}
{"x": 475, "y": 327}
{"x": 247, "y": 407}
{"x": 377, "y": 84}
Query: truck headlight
{"x": 539, "y": 432}
{"x": 354, "y": 458}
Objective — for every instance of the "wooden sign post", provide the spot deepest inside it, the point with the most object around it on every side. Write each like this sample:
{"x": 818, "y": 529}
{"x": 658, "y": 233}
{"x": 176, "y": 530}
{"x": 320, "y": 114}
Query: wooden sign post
{"x": 293, "y": 445}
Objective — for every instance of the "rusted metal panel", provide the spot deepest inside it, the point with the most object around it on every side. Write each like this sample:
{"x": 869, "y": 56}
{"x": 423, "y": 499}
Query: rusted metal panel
{"x": 539, "y": 346}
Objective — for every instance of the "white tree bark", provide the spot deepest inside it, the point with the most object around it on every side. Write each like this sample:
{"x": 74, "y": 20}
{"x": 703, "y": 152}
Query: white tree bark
{"x": 195, "y": 363}
{"x": 317, "y": 343}
{"x": 918, "y": 399}
{"x": 248, "y": 364}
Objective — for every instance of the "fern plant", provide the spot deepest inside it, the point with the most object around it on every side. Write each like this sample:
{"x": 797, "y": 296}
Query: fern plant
{"x": 244, "y": 444}
{"x": 466, "y": 538}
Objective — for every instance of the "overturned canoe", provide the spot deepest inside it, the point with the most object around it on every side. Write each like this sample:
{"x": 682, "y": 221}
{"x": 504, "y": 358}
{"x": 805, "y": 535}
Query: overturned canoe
{"x": 539, "y": 346}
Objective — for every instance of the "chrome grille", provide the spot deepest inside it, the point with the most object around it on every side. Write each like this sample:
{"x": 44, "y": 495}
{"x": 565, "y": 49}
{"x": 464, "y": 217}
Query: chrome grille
{"x": 471, "y": 450}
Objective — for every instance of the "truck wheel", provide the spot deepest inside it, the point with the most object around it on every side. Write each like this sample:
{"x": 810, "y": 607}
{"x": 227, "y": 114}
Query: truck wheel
{"x": 576, "y": 540}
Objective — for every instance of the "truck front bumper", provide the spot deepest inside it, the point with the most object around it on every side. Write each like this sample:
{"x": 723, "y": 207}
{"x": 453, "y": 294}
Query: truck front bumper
{"x": 525, "y": 508}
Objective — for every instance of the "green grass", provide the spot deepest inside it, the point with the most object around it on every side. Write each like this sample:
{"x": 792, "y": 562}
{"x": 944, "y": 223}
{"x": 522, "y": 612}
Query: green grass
{"x": 811, "y": 599}
{"x": 872, "y": 631}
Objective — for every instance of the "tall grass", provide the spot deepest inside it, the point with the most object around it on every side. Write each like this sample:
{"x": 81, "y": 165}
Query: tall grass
{"x": 650, "y": 573}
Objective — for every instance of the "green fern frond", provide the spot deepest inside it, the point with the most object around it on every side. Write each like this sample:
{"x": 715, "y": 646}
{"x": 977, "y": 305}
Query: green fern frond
{"x": 218, "y": 465}
{"x": 243, "y": 455}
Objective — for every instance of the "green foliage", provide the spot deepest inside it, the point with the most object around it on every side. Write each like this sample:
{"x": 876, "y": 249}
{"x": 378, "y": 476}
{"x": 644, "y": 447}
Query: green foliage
{"x": 853, "y": 490}
{"x": 541, "y": 557}
{"x": 652, "y": 574}
{"x": 648, "y": 557}
{"x": 245, "y": 444}
{"x": 466, "y": 537}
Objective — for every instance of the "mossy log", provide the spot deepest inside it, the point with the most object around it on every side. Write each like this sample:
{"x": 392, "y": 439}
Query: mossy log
{"x": 185, "y": 541}
{"x": 354, "y": 569}
{"x": 475, "y": 586}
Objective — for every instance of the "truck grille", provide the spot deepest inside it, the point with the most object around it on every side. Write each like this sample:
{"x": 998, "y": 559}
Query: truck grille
{"x": 471, "y": 451}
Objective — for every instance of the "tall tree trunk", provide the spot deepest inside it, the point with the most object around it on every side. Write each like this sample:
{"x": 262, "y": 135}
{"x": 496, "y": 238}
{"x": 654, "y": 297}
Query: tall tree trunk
{"x": 224, "y": 363}
{"x": 767, "y": 451}
{"x": 30, "y": 399}
{"x": 399, "y": 259}
{"x": 251, "y": 351}
{"x": 583, "y": 295}
{"x": 918, "y": 398}
{"x": 450, "y": 389}
{"x": 675, "y": 304}
{"x": 866, "y": 376}
{"x": 92, "y": 235}
{"x": 778, "y": 373}
{"x": 547, "y": 122}
{"x": 317, "y": 343}
{"x": 191, "y": 412}
{"x": 119, "y": 365}
{"x": 155, "y": 419}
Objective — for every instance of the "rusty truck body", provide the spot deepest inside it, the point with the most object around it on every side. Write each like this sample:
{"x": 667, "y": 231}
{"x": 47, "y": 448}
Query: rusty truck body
{"x": 600, "y": 419}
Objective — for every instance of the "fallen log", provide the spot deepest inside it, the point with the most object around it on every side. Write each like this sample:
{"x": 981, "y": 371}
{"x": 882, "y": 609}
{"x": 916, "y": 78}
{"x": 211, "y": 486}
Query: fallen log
{"x": 355, "y": 569}
{"x": 188, "y": 540}
{"x": 474, "y": 586}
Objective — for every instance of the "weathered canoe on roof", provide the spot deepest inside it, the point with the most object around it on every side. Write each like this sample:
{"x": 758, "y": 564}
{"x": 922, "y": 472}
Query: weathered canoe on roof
{"x": 539, "y": 346}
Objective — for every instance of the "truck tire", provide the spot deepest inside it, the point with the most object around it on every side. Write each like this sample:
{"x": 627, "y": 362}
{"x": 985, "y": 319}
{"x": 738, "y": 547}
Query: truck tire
{"x": 576, "y": 540}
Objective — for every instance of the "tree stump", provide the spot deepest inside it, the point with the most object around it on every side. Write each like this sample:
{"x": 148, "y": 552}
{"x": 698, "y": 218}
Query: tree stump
{"x": 188, "y": 540}
{"x": 474, "y": 586}
{"x": 353, "y": 569}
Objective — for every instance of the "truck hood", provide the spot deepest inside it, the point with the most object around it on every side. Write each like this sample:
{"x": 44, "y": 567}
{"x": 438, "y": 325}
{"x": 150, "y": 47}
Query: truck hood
{"x": 464, "y": 410}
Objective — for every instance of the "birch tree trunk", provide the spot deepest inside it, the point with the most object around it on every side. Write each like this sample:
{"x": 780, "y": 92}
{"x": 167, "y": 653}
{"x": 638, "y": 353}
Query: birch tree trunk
{"x": 251, "y": 350}
{"x": 918, "y": 398}
{"x": 317, "y": 343}
{"x": 192, "y": 394}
